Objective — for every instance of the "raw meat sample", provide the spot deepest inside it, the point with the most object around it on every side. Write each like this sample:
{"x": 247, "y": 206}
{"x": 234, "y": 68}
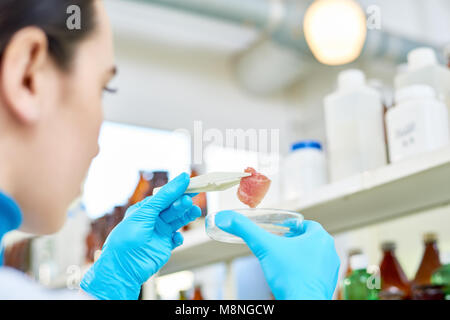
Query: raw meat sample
{"x": 253, "y": 188}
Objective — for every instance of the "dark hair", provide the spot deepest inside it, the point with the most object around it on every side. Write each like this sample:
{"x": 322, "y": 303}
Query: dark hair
{"x": 51, "y": 16}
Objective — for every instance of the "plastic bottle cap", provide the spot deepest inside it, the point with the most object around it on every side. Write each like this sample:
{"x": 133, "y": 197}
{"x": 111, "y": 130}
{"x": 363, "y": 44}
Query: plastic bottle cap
{"x": 306, "y": 144}
{"x": 429, "y": 237}
{"x": 354, "y": 251}
{"x": 445, "y": 257}
{"x": 350, "y": 79}
{"x": 417, "y": 91}
{"x": 388, "y": 246}
{"x": 358, "y": 262}
{"x": 421, "y": 57}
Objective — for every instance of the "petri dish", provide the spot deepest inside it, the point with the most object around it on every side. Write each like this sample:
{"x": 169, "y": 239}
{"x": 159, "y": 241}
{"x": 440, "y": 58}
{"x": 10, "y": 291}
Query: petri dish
{"x": 279, "y": 222}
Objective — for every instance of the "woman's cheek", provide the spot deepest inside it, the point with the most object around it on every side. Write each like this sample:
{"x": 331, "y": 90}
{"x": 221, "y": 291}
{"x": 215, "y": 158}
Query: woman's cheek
{"x": 93, "y": 120}
{"x": 97, "y": 128}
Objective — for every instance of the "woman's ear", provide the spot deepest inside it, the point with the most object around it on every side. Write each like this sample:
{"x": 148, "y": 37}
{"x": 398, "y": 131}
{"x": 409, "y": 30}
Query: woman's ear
{"x": 22, "y": 64}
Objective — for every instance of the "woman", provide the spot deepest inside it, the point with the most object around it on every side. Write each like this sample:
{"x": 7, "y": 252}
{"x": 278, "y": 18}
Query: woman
{"x": 51, "y": 83}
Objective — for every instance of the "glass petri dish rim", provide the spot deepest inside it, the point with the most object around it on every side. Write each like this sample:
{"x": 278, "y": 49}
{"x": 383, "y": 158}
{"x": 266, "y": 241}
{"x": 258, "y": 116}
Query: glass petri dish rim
{"x": 228, "y": 238}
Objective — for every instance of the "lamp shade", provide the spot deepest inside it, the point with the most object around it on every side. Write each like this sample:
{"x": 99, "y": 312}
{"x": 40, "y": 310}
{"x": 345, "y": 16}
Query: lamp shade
{"x": 335, "y": 30}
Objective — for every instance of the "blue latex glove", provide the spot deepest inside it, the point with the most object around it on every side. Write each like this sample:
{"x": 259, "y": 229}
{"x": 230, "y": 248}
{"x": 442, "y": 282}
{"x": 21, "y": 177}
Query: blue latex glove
{"x": 142, "y": 243}
{"x": 304, "y": 266}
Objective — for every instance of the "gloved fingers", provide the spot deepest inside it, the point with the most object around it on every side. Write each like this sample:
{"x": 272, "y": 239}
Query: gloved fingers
{"x": 295, "y": 227}
{"x": 192, "y": 194}
{"x": 169, "y": 193}
{"x": 177, "y": 240}
{"x": 142, "y": 212}
{"x": 133, "y": 208}
{"x": 310, "y": 227}
{"x": 193, "y": 214}
{"x": 257, "y": 239}
{"x": 177, "y": 209}
{"x": 314, "y": 230}
{"x": 164, "y": 229}
{"x": 189, "y": 216}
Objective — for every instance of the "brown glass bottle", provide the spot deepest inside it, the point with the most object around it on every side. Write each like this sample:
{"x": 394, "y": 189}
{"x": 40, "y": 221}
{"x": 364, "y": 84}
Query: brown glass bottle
{"x": 198, "y": 293}
{"x": 394, "y": 283}
{"x": 430, "y": 260}
{"x": 91, "y": 244}
{"x": 141, "y": 190}
{"x": 158, "y": 179}
{"x": 422, "y": 288}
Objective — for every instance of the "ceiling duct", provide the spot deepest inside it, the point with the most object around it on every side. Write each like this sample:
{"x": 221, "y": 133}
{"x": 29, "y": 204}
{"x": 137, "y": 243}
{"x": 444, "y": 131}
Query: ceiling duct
{"x": 283, "y": 20}
{"x": 281, "y": 56}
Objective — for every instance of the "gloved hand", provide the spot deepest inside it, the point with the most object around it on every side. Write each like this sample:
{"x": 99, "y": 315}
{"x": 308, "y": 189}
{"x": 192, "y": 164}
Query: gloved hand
{"x": 305, "y": 266}
{"x": 141, "y": 244}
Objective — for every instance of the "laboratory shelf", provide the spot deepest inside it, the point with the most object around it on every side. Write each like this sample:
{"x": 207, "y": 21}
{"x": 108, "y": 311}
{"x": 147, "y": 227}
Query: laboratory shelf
{"x": 198, "y": 250}
{"x": 389, "y": 192}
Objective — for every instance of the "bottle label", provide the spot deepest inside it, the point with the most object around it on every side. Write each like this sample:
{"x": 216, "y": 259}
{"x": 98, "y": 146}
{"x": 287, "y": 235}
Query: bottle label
{"x": 407, "y": 136}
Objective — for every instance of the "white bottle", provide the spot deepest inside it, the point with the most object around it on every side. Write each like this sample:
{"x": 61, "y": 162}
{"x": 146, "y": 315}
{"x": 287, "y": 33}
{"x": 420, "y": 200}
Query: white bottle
{"x": 354, "y": 127}
{"x": 418, "y": 123}
{"x": 445, "y": 258}
{"x": 304, "y": 169}
{"x": 359, "y": 262}
{"x": 423, "y": 68}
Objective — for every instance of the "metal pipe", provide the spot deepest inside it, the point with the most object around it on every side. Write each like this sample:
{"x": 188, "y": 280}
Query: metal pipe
{"x": 283, "y": 20}
{"x": 253, "y": 12}
{"x": 280, "y": 18}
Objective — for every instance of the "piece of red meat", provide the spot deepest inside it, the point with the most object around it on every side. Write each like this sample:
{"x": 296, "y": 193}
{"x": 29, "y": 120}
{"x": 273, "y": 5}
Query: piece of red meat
{"x": 252, "y": 189}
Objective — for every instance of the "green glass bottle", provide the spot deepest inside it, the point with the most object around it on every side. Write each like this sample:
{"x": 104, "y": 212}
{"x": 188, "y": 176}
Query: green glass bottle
{"x": 441, "y": 276}
{"x": 182, "y": 295}
{"x": 359, "y": 285}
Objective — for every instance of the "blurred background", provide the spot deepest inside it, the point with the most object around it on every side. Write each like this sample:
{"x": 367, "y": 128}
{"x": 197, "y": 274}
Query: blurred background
{"x": 192, "y": 68}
